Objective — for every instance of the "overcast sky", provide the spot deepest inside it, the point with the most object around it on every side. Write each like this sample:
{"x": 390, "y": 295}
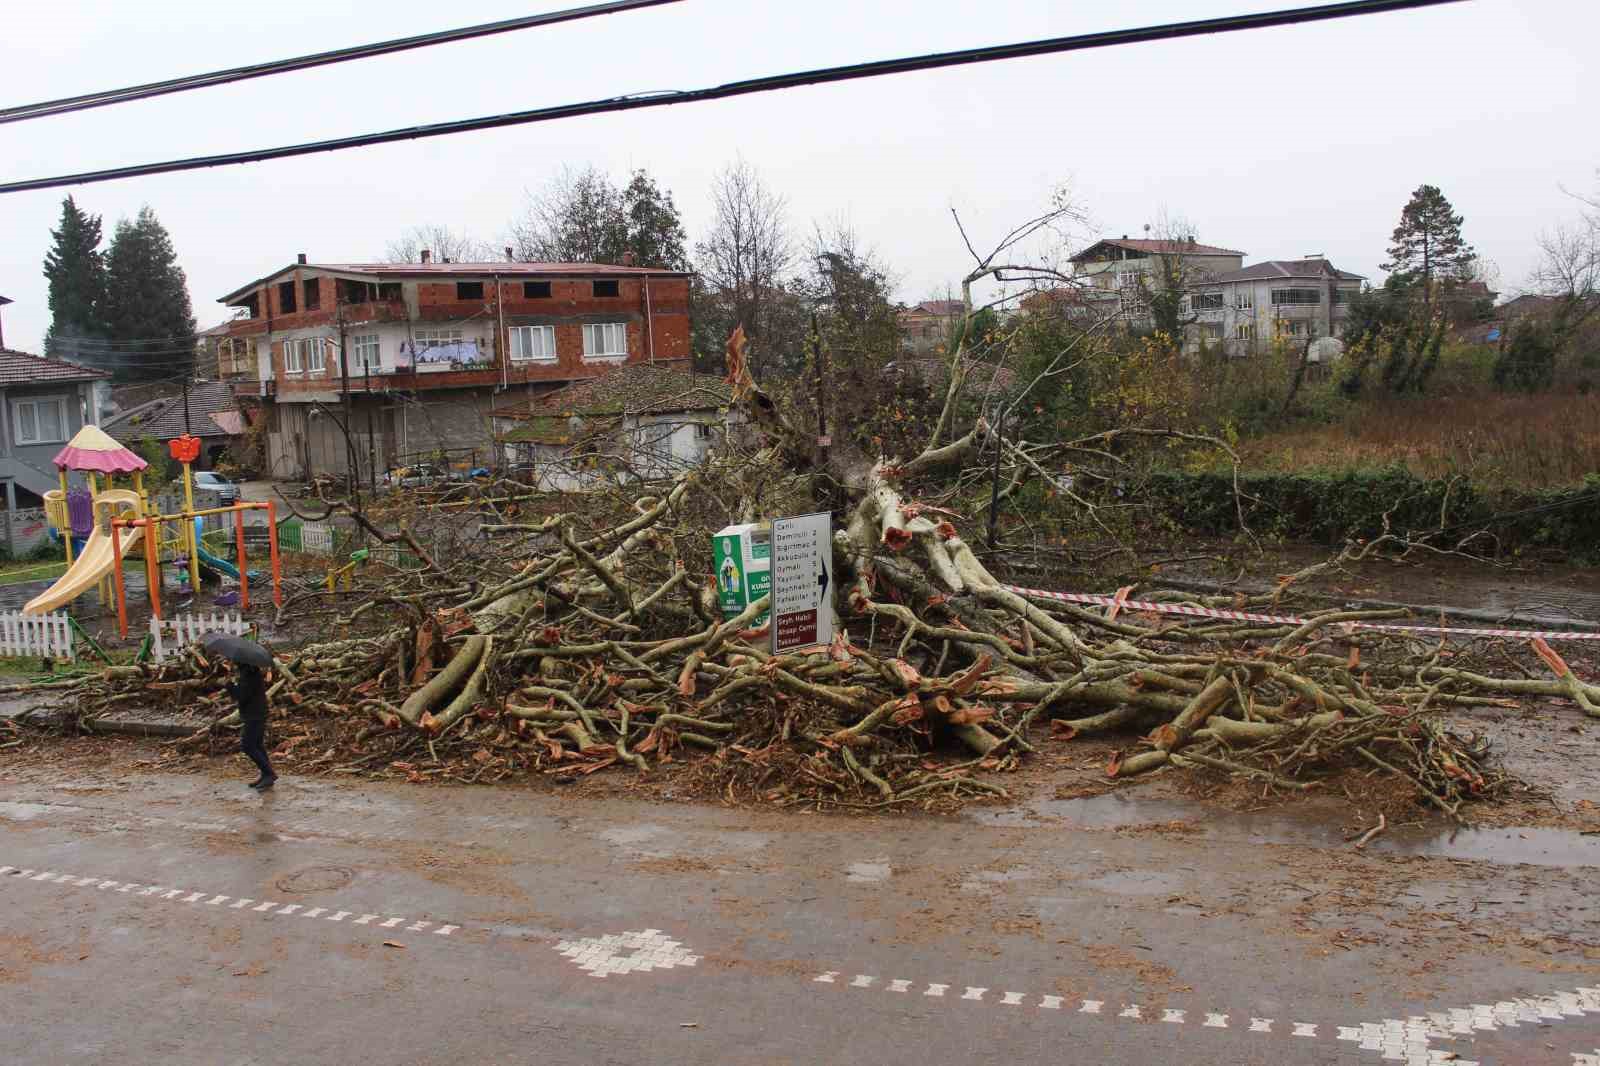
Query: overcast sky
{"x": 1278, "y": 142}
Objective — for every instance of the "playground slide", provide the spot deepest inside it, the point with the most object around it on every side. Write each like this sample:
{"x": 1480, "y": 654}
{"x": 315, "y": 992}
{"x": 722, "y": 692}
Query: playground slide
{"x": 220, "y": 565}
{"x": 93, "y": 563}
{"x": 84, "y": 574}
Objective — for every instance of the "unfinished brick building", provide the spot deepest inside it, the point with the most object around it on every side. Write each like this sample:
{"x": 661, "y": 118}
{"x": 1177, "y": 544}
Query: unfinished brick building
{"x": 426, "y": 350}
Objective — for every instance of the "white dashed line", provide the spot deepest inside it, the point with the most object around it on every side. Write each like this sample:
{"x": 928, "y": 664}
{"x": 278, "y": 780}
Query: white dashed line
{"x": 899, "y": 986}
{"x": 936, "y": 990}
{"x": 1012, "y": 999}
{"x": 266, "y": 908}
{"x": 974, "y": 993}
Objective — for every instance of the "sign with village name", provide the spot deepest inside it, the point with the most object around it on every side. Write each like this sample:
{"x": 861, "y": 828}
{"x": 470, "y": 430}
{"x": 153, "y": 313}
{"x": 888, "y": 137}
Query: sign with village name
{"x": 802, "y": 582}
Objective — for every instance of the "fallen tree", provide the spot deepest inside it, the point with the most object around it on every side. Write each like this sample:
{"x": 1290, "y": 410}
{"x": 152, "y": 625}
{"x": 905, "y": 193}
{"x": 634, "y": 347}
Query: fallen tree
{"x": 590, "y": 636}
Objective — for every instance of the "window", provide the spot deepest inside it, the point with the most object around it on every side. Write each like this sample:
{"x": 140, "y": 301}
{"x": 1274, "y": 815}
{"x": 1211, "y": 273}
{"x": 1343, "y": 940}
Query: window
{"x": 366, "y": 348}
{"x": 291, "y": 358}
{"x": 1292, "y": 328}
{"x": 533, "y": 344}
{"x": 536, "y": 290}
{"x": 313, "y": 291}
{"x": 604, "y": 289}
{"x": 1245, "y": 331}
{"x": 314, "y": 355}
{"x": 39, "y": 421}
{"x": 1244, "y": 299}
{"x": 1281, "y": 297}
{"x": 605, "y": 340}
{"x": 286, "y": 297}
{"x": 1344, "y": 296}
{"x": 389, "y": 291}
{"x": 702, "y": 431}
{"x": 436, "y": 338}
{"x": 469, "y": 290}
{"x": 1207, "y": 301}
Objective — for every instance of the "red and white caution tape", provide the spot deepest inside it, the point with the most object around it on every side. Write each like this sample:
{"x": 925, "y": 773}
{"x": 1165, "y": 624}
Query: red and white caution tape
{"x": 1119, "y": 602}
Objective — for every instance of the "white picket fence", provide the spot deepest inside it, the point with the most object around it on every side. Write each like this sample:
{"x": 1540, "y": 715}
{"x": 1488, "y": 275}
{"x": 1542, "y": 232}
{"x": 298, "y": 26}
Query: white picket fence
{"x": 316, "y": 538}
{"x": 35, "y": 634}
{"x": 169, "y": 636}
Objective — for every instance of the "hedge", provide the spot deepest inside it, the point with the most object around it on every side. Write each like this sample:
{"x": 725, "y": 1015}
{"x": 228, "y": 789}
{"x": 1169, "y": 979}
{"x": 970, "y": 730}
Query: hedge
{"x": 1332, "y": 508}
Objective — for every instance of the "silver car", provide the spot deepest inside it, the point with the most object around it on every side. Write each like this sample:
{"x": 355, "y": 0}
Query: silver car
{"x": 227, "y": 492}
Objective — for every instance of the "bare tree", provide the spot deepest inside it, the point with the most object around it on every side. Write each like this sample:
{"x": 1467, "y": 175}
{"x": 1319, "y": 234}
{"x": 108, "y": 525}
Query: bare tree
{"x": 1569, "y": 271}
{"x": 745, "y": 254}
{"x": 576, "y": 218}
{"x": 444, "y": 243}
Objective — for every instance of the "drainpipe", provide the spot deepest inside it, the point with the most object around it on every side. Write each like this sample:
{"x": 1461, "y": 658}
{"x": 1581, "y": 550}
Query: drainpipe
{"x": 501, "y": 341}
{"x": 649, "y": 324}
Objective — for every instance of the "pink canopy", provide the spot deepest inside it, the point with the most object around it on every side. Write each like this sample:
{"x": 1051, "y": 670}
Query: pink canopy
{"x": 91, "y": 449}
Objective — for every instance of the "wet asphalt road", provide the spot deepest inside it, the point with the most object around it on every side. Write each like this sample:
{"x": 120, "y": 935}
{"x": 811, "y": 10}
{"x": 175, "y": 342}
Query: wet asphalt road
{"x": 187, "y": 920}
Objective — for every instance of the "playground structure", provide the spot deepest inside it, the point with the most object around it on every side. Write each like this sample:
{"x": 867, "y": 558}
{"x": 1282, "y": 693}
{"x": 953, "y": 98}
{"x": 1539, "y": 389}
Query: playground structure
{"x": 93, "y": 522}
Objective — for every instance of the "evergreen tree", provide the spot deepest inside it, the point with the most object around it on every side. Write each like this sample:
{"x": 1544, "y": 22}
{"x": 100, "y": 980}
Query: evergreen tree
{"x": 1427, "y": 245}
{"x": 582, "y": 217}
{"x": 655, "y": 231}
{"x": 147, "y": 302}
{"x": 76, "y": 272}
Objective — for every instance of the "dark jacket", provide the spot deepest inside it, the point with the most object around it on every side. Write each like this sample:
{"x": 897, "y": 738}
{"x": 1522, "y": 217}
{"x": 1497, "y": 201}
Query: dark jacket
{"x": 250, "y": 692}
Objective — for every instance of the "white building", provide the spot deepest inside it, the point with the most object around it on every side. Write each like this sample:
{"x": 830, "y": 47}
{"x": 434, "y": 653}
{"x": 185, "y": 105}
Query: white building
{"x": 1243, "y": 311}
{"x": 633, "y": 422}
{"x": 1120, "y": 274}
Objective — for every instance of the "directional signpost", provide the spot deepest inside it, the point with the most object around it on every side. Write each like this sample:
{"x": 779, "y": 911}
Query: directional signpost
{"x": 802, "y": 582}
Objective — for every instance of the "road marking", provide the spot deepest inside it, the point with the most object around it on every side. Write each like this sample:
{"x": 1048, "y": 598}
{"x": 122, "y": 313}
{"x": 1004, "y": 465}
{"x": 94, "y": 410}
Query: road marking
{"x": 160, "y": 893}
{"x": 861, "y": 980}
{"x": 1173, "y": 1016}
{"x": 899, "y": 986}
{"x": 1129, "y": 1012}
{"x": 1216, "y": 1021}
{"x": 936, "y": 990}
{"x": 827, "y": 978}
{"x": 974, "y": 993}
{"x": 639, "y": 952}
{"x": 1012, "y": 999}
{"x": 1050, "y": 1002}
{"x": 1410, "y": 1039}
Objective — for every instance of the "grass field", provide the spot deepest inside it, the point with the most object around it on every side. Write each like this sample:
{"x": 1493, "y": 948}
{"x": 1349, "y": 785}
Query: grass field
{"x": 1494, "y": 440}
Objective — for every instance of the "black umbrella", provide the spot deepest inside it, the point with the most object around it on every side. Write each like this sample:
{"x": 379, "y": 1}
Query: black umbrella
{"x": 238, "y": 649}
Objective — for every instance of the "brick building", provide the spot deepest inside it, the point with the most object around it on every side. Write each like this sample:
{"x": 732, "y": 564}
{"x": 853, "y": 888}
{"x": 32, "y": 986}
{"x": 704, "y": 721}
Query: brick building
{"x": 426, "y": 350}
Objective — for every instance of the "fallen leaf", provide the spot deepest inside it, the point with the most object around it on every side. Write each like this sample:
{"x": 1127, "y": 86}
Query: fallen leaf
{"x": 393, "y": 944}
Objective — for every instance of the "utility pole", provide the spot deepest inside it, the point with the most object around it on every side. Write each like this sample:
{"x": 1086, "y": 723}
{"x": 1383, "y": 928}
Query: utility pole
{"x": 352, "y": 464}
{"x": 822, "y": 412}
{"x": 372, "y": 437}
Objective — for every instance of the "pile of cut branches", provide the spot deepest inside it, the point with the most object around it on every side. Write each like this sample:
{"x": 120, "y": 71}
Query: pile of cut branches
{"x": 567, "y": 634}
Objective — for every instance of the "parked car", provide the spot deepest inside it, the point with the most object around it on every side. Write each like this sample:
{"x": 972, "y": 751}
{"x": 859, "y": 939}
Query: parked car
{"x": 227, "y": 492}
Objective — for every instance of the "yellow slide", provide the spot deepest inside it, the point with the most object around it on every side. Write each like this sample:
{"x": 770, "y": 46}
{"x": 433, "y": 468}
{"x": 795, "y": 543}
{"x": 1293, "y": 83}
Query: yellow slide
{"x": 94, "y": 563}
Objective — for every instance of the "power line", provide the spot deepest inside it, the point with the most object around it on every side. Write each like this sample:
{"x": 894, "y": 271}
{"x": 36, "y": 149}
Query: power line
{"x": 853, "y": 72}
{"x": 107, "y": 97}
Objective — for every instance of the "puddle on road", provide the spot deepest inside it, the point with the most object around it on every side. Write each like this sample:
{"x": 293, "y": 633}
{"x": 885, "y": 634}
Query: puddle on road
{"x": 27, "y": 812}
{"x": 1531, "y": 846}
{"x": 871, "y": 872}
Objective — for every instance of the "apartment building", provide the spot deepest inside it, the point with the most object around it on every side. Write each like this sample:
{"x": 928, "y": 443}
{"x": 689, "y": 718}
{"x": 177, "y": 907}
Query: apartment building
{"x": 390, "y": 360}
{"x": 1242, "y": 311}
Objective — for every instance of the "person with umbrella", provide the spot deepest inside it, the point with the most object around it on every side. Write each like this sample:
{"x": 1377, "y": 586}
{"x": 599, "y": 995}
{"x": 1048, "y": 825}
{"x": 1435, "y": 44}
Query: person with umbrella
{"x": 250, "y": 693}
